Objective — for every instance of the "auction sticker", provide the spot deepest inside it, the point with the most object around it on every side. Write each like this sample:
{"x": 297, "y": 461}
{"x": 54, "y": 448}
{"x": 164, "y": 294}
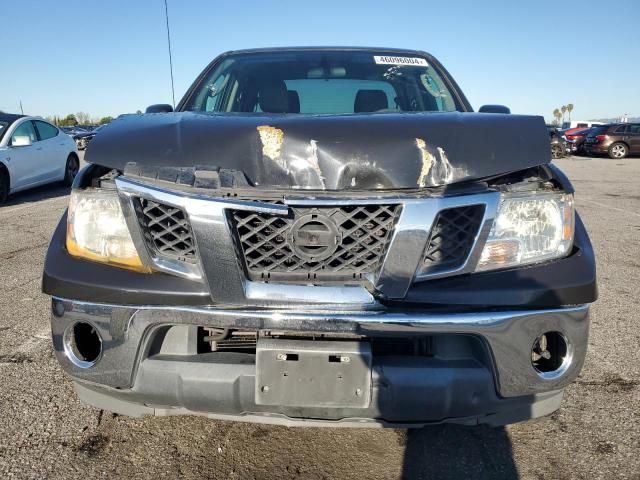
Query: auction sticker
{"x": 386, "y": 60}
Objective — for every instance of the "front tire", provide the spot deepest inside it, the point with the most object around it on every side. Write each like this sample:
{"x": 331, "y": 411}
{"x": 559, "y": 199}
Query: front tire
{"x": 71, "y": 169}
{"x": 618, "y": 151}
{"x": 4, "y": 186}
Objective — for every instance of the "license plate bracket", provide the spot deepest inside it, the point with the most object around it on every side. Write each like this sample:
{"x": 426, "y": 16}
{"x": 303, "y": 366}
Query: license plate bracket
{"x": 309, "y": 373}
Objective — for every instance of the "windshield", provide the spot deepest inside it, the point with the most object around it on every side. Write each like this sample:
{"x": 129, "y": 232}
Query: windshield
{"x": 321, "y": 82}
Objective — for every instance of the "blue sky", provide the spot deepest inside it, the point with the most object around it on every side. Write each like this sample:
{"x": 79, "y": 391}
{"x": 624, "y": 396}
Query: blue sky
{"x": 110, "y": 57}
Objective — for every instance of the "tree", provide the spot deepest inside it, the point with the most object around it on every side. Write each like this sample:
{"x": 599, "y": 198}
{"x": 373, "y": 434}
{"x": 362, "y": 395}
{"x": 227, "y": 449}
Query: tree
{"x": 69, "y": 121}
{"x": 569, "y": 110}
{"x": 556, "y": 115}
{"x": 105, "y": 120}
{"x": 563, "y": 109}
{"x": 83, "y": 118}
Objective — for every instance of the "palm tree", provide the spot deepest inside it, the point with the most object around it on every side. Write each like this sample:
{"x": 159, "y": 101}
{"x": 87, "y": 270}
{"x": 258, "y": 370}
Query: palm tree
{"x": 563, "y": 109}
{"x": 556, "y": 115}
{"x": 569, "y": 110}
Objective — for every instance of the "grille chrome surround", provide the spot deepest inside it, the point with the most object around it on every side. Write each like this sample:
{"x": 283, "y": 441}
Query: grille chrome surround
{"x": 341, "y": 243}
{"x": 218, "y": 266}
{"x": 166, "y": 230}
{"x": 452, "y": 237}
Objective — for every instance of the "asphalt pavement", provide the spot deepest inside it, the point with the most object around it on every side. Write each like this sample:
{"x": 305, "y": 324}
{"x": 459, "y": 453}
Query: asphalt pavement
{"x": 46, "y": 433}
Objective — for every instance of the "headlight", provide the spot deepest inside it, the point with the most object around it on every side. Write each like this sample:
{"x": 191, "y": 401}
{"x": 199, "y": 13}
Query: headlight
{"x": 529, "y": 229}
{"x": 97, "y": 230}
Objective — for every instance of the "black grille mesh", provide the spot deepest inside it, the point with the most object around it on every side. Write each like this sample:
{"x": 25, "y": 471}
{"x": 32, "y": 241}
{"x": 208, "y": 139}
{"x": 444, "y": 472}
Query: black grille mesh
{"x": 166, "y": 230}
{"x": 363, "y": 236}
{"x": 452, "y": 238}
{"x": 363, "y": 233}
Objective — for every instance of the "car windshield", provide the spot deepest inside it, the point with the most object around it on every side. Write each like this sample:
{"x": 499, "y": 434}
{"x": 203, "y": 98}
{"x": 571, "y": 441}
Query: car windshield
{"x": 321, "y": 82}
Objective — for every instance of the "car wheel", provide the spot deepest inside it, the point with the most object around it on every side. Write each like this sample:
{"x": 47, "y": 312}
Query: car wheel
{"x": 556, "y": 151}
{"x": 4, "y": 186}
{"x": 71, "y": 169}
{"x": 618, "y": 150}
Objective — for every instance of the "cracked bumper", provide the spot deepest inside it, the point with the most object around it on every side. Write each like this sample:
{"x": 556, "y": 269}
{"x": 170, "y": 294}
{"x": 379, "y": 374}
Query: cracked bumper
{"x": 495, "y": 384}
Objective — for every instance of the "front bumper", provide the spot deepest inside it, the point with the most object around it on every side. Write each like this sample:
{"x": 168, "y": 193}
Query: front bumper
{"x": 487, "y": 380}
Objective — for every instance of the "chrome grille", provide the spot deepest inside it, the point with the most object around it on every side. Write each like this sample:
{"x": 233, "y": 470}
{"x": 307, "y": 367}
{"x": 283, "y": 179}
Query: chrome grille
{"x": 166, "y": 230}
{"x": 340, "y": 243}
{"x": 452, "y": 238}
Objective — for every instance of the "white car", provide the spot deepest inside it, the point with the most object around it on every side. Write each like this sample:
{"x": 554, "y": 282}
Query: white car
{"x": 34, "y": 152}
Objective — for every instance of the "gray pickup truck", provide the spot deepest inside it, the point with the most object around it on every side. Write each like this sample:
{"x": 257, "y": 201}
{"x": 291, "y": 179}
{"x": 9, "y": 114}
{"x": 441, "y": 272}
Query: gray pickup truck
{"x": 324, "y": 236}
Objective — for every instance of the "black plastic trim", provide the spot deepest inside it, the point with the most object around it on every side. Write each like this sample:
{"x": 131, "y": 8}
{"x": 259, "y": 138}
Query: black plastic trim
{"x": 71, "y": 277}
{"x": 554, "y": 172}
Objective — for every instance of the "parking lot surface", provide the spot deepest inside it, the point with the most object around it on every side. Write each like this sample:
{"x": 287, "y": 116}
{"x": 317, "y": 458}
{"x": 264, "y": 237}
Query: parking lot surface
{"x": 46, "y": 433}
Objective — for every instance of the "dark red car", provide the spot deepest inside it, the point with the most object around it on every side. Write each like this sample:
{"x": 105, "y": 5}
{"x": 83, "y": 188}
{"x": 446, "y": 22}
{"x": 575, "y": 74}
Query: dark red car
{"x": 577, "y": 138}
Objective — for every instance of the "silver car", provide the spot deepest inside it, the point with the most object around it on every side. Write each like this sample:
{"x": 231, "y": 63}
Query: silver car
{"x": 34, "y": 152}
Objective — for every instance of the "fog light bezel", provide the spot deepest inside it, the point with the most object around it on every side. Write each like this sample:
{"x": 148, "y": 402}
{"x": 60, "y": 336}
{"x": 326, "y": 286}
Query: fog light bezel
{"x": 566, "y": 361}
{"x": 70, "y": 349}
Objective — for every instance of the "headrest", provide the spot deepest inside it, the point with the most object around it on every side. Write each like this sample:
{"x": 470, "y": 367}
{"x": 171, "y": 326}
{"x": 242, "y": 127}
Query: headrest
{"x": 294, "y": 101}
{"x": 272, "y": 96}
{"x": 370, "y": 101}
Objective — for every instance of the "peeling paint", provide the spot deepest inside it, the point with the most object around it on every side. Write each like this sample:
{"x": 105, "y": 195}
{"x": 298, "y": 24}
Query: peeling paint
{"x": 302, "y": 163}
{"x": 272, "y": 139}
{"x": 446, "y": 170}
{"x": 436, "y": 169}
{"x": 427, "y": 162}
{"x": 313, "y": 160}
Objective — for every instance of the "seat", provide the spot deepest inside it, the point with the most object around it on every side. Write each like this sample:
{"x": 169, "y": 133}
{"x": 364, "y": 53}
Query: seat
{"x": 370, "y": 101}
{"x": 294, "y": 101}
{"x": 272, "y": 96}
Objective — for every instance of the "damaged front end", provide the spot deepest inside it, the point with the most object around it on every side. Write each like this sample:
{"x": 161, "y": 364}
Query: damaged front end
{"x": 283, "y": 292}
{"x": 399, "y": 269}
{"x": 373, "y": 152}
{"x": 380, "y": 215}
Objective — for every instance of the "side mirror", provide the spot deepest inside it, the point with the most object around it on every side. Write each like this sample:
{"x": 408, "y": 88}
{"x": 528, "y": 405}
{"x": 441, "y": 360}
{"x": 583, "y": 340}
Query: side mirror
{"x": 494, "y": 109}
{"x": 159, "y": 108}
{"x": 21, "y": 141}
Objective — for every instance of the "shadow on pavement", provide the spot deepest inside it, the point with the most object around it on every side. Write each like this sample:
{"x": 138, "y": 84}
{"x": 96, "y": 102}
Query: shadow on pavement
{"x": 44, "y": 192}
{"x": 454, "y": 452}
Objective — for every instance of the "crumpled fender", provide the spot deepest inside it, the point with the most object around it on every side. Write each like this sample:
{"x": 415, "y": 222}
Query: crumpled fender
{"x": 329, "y": 152}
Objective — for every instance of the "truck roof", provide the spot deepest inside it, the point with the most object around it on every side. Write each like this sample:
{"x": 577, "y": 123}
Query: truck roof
{"x": 327, "y": 48}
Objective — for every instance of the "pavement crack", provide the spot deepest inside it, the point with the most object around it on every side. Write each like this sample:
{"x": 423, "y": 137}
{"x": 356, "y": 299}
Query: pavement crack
{"x": 23, "y": 284}
{"x": 12, "y": 253}
{"x": 100, "y": 414}
{"x": 613, "y": 381}
{"x": 15, "y": 358}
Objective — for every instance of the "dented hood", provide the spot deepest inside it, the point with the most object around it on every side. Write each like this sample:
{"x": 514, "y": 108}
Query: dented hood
{"x": 329, "y": 152}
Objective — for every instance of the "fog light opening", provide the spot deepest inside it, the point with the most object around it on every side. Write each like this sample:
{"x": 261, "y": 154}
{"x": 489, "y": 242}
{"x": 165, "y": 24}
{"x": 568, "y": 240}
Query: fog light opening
{"x": 83, "y": 345}
{"x": 550, "y": 355}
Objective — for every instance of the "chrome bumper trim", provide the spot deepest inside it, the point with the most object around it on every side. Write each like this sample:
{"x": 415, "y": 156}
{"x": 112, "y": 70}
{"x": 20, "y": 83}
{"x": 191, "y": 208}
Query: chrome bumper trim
{"x": 509, "y": 336}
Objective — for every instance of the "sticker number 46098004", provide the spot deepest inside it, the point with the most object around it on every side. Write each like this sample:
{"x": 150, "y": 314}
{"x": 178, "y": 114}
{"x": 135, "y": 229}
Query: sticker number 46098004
{"x": 387, "y": 60}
